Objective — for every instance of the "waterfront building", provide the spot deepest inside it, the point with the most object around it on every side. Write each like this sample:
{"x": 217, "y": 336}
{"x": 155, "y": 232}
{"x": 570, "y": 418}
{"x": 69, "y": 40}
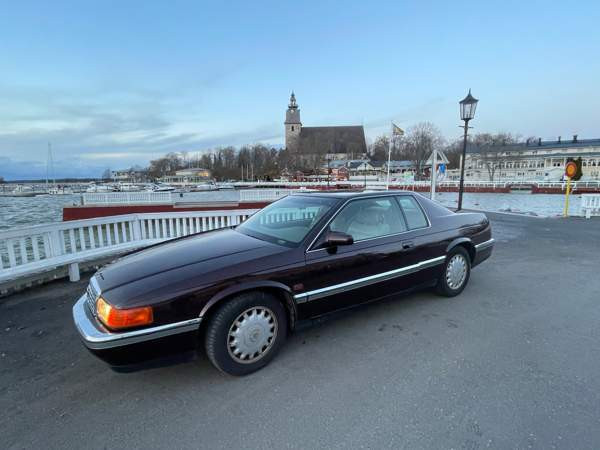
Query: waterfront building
{"x": 329, "y": 142}
{"x": 135, "y": 174}
{"x": 533, "y": 160}
{"x": 188, "y": 176}
{"x": 354, "y": 169}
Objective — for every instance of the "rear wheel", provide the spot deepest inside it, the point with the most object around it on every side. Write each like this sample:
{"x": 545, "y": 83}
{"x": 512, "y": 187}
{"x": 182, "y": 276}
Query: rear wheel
{"x": 455, "y": 275}
{"x": 246, "y": 332}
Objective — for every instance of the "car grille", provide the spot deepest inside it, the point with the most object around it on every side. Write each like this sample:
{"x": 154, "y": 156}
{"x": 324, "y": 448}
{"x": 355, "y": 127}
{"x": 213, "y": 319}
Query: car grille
{"x": 92, "y": 295}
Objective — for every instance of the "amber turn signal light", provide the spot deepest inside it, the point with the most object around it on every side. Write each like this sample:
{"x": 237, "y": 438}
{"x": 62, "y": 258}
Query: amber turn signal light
{"x": 123, "y": 318}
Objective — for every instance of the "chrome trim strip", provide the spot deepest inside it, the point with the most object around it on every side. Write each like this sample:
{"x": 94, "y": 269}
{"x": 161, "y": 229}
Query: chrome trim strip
{"x": 96, "y": 337}
{"x": 485, "y": 244}
{"x": 360, "y": 282}
{"x": 95, "y": 285}
{"x": 386, "y": 194}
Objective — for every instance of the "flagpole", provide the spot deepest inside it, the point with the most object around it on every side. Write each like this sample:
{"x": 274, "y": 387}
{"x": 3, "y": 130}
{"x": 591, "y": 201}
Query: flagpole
{"x": 387, "y": 183}
{"x": 433, "y": 173}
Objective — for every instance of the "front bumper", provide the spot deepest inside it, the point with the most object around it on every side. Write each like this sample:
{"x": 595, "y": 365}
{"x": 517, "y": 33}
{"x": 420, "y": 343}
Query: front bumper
{"x": 96, "y": 337}
{"x": 483, "y": 251}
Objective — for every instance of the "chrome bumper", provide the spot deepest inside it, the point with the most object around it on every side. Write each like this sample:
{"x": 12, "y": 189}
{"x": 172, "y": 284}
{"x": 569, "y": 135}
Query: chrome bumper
{"x": 484, "y": 245}
{"x": 97, "y": 337}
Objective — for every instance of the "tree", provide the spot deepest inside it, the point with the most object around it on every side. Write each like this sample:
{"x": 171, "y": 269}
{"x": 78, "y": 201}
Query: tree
{"x": 453, "y": 152}
{"x": 490, "y": 149}
{"x": 106, "y": 175}
{"x": 378, "y": 151}
{"x": 167, "y": 165}
{"x": 418, "y": 144}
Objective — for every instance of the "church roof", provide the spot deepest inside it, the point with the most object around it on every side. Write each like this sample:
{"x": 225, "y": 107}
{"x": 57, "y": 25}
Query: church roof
{"x": 342, "y": 139}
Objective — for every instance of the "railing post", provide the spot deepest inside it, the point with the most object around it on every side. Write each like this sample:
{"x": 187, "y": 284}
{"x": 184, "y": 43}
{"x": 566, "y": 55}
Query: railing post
{"x": 55, "y": 243}
{"x": 137, "y": 229}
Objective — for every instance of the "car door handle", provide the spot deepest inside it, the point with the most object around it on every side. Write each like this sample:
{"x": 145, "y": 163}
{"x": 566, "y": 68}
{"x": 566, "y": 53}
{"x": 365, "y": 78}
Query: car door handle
{"x": 407, "y": 244}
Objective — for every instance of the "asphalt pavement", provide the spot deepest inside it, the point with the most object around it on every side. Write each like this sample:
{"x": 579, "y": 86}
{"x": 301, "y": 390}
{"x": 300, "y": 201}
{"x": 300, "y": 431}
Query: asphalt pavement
{"x": 513, "y": 362}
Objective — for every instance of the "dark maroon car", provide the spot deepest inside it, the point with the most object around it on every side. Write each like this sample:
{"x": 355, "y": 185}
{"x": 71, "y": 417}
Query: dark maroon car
{"x": 240, "y": 291}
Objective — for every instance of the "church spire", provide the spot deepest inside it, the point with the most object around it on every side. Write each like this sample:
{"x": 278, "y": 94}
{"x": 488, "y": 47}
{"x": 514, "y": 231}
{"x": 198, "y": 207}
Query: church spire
{"x": 293, "y": 104}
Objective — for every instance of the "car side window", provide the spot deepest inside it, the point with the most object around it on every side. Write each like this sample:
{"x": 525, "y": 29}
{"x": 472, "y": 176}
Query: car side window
{"x": 415, "y": 218}
{"x": 369, "y": 218}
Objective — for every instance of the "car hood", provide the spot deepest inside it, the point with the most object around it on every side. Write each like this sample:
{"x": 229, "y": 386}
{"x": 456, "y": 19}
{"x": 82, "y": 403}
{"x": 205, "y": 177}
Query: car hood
{"x": 179, "y": 254}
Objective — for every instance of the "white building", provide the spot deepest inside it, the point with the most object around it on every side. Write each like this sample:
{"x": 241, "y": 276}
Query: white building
{"x": 530, "y": 161}
{"x": 193, "y": 175}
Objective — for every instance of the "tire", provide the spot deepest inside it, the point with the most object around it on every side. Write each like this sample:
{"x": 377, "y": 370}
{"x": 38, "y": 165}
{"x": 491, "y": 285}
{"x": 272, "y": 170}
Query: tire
{"x": 246, "y": 332}
{"x": 456, "y": 273}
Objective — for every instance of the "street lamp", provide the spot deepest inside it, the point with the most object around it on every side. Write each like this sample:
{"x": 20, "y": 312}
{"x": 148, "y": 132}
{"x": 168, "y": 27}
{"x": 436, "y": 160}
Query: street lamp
{"x": 468, "y": 105}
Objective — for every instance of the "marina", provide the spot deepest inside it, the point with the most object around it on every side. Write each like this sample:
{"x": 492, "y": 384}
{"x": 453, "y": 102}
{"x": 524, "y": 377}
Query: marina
{"x": 28, "y": 210}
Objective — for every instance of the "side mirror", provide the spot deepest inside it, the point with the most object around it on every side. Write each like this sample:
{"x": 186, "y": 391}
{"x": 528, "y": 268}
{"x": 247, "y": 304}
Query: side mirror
{"x": 335, "y": 238}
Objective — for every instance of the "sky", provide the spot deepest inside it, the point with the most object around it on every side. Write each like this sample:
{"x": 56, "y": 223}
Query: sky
{"x": 112, "y": 84}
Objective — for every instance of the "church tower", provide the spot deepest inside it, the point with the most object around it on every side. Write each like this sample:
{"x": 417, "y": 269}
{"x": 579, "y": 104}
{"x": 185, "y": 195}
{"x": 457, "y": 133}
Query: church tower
{"x": 292, "y": 124}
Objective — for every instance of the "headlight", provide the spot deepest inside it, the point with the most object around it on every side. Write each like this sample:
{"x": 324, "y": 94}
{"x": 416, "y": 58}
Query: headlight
{"x": 123, "y": 318}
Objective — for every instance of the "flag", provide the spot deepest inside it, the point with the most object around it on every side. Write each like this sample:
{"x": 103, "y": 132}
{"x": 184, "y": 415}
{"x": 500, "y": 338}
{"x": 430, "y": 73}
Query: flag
{"x": 396, "y": 130}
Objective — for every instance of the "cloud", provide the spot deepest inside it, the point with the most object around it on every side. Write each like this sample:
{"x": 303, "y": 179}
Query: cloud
{"x": 91, "y": 131}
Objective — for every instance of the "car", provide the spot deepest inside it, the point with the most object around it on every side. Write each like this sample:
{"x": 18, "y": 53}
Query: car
{"x": 240, "y": 291}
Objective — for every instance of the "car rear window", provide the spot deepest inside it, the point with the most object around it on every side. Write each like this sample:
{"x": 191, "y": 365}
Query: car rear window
{"x": 415, "y": 218}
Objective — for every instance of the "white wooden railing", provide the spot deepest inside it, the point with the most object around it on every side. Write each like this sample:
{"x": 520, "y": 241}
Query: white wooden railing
{"x": 264, "y": 195}
{"x": 39, "y": 248}
{"x": 111, "y": 198}
{"x": 451, "y": 183}
{"x": 590, "y": 205}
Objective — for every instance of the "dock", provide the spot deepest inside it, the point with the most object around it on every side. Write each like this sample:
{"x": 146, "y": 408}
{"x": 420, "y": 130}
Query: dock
{"x": 512, "y": 362}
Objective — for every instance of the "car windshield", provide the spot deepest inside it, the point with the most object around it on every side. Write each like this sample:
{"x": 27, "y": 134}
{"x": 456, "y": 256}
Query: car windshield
{"x": 287, "y": 221}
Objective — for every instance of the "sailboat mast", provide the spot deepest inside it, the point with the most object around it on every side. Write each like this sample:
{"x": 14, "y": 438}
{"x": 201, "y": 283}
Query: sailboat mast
{"x": 51, "y": 162}
{"x": 47, "y": 163}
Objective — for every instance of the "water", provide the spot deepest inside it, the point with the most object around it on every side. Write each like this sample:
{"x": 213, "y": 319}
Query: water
{"x": 18, "y": 212}
{"x": 543, "y": 205}
{"x": 24, "y": 211}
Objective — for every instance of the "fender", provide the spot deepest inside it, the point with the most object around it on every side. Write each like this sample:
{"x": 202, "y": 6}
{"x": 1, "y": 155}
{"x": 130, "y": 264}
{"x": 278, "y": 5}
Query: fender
{"x": 462, "y": 240}
{"x": 290, "y": 304}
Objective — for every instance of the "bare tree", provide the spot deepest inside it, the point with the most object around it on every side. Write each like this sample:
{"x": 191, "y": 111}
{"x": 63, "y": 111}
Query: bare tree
{"x": 378, "y": 150}
{"x": 491, "y": 150}
{"x": 419, "y": 143}
{"x": 453, "y": 152}
{"x": 106, "y": 174}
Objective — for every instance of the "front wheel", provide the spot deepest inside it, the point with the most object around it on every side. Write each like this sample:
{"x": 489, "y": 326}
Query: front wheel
{"x": 245, "y": 333}
{"x": 455, "y": 275}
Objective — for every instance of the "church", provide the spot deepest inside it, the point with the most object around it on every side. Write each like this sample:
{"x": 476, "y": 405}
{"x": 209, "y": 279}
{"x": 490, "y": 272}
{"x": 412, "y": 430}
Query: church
{"x": 334, "y": 143}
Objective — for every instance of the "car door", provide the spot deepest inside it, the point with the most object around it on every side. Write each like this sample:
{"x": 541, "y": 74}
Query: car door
{"x": 425, "y": 248}
{"x": 368, "y": 269}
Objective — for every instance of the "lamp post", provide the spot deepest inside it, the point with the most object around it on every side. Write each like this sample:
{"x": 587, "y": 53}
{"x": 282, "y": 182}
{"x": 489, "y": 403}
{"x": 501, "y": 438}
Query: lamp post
{"x": 468, "y": 105}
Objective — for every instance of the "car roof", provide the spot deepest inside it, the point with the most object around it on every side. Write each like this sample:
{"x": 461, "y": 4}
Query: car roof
{"x": 351, "y": 194}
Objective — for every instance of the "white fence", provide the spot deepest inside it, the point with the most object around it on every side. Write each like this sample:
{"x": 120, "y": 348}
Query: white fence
{"x": 590, "y": 205}
{"x": 40, "y": 248}
{"x": 112, "y": 198}
{"x": 265, "y": 195}
{"x": 407, "y": 183}
{"x": 169, "y": 198}
{"x": 271, "y": 194}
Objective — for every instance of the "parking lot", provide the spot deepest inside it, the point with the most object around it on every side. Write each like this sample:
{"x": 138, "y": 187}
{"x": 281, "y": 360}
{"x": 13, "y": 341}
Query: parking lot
{"x": 513, "y": 362}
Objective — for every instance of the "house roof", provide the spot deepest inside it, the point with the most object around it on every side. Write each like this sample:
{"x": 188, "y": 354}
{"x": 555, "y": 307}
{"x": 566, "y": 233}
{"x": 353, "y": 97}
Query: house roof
{"x": 342, "y": 139}
{"x": 401, "y": 164}
{"x": 535, "y": 145}
{"x": 354, "y": 164}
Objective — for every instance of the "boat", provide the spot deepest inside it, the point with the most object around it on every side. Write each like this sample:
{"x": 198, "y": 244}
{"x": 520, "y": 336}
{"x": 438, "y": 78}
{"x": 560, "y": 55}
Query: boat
{"x": 161, "y": 187}
{"x": 22, "y": 191}
{"x": 93, "y": 187}
{"x": 60, "y": 190}
{"x": 208, "y": 186}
